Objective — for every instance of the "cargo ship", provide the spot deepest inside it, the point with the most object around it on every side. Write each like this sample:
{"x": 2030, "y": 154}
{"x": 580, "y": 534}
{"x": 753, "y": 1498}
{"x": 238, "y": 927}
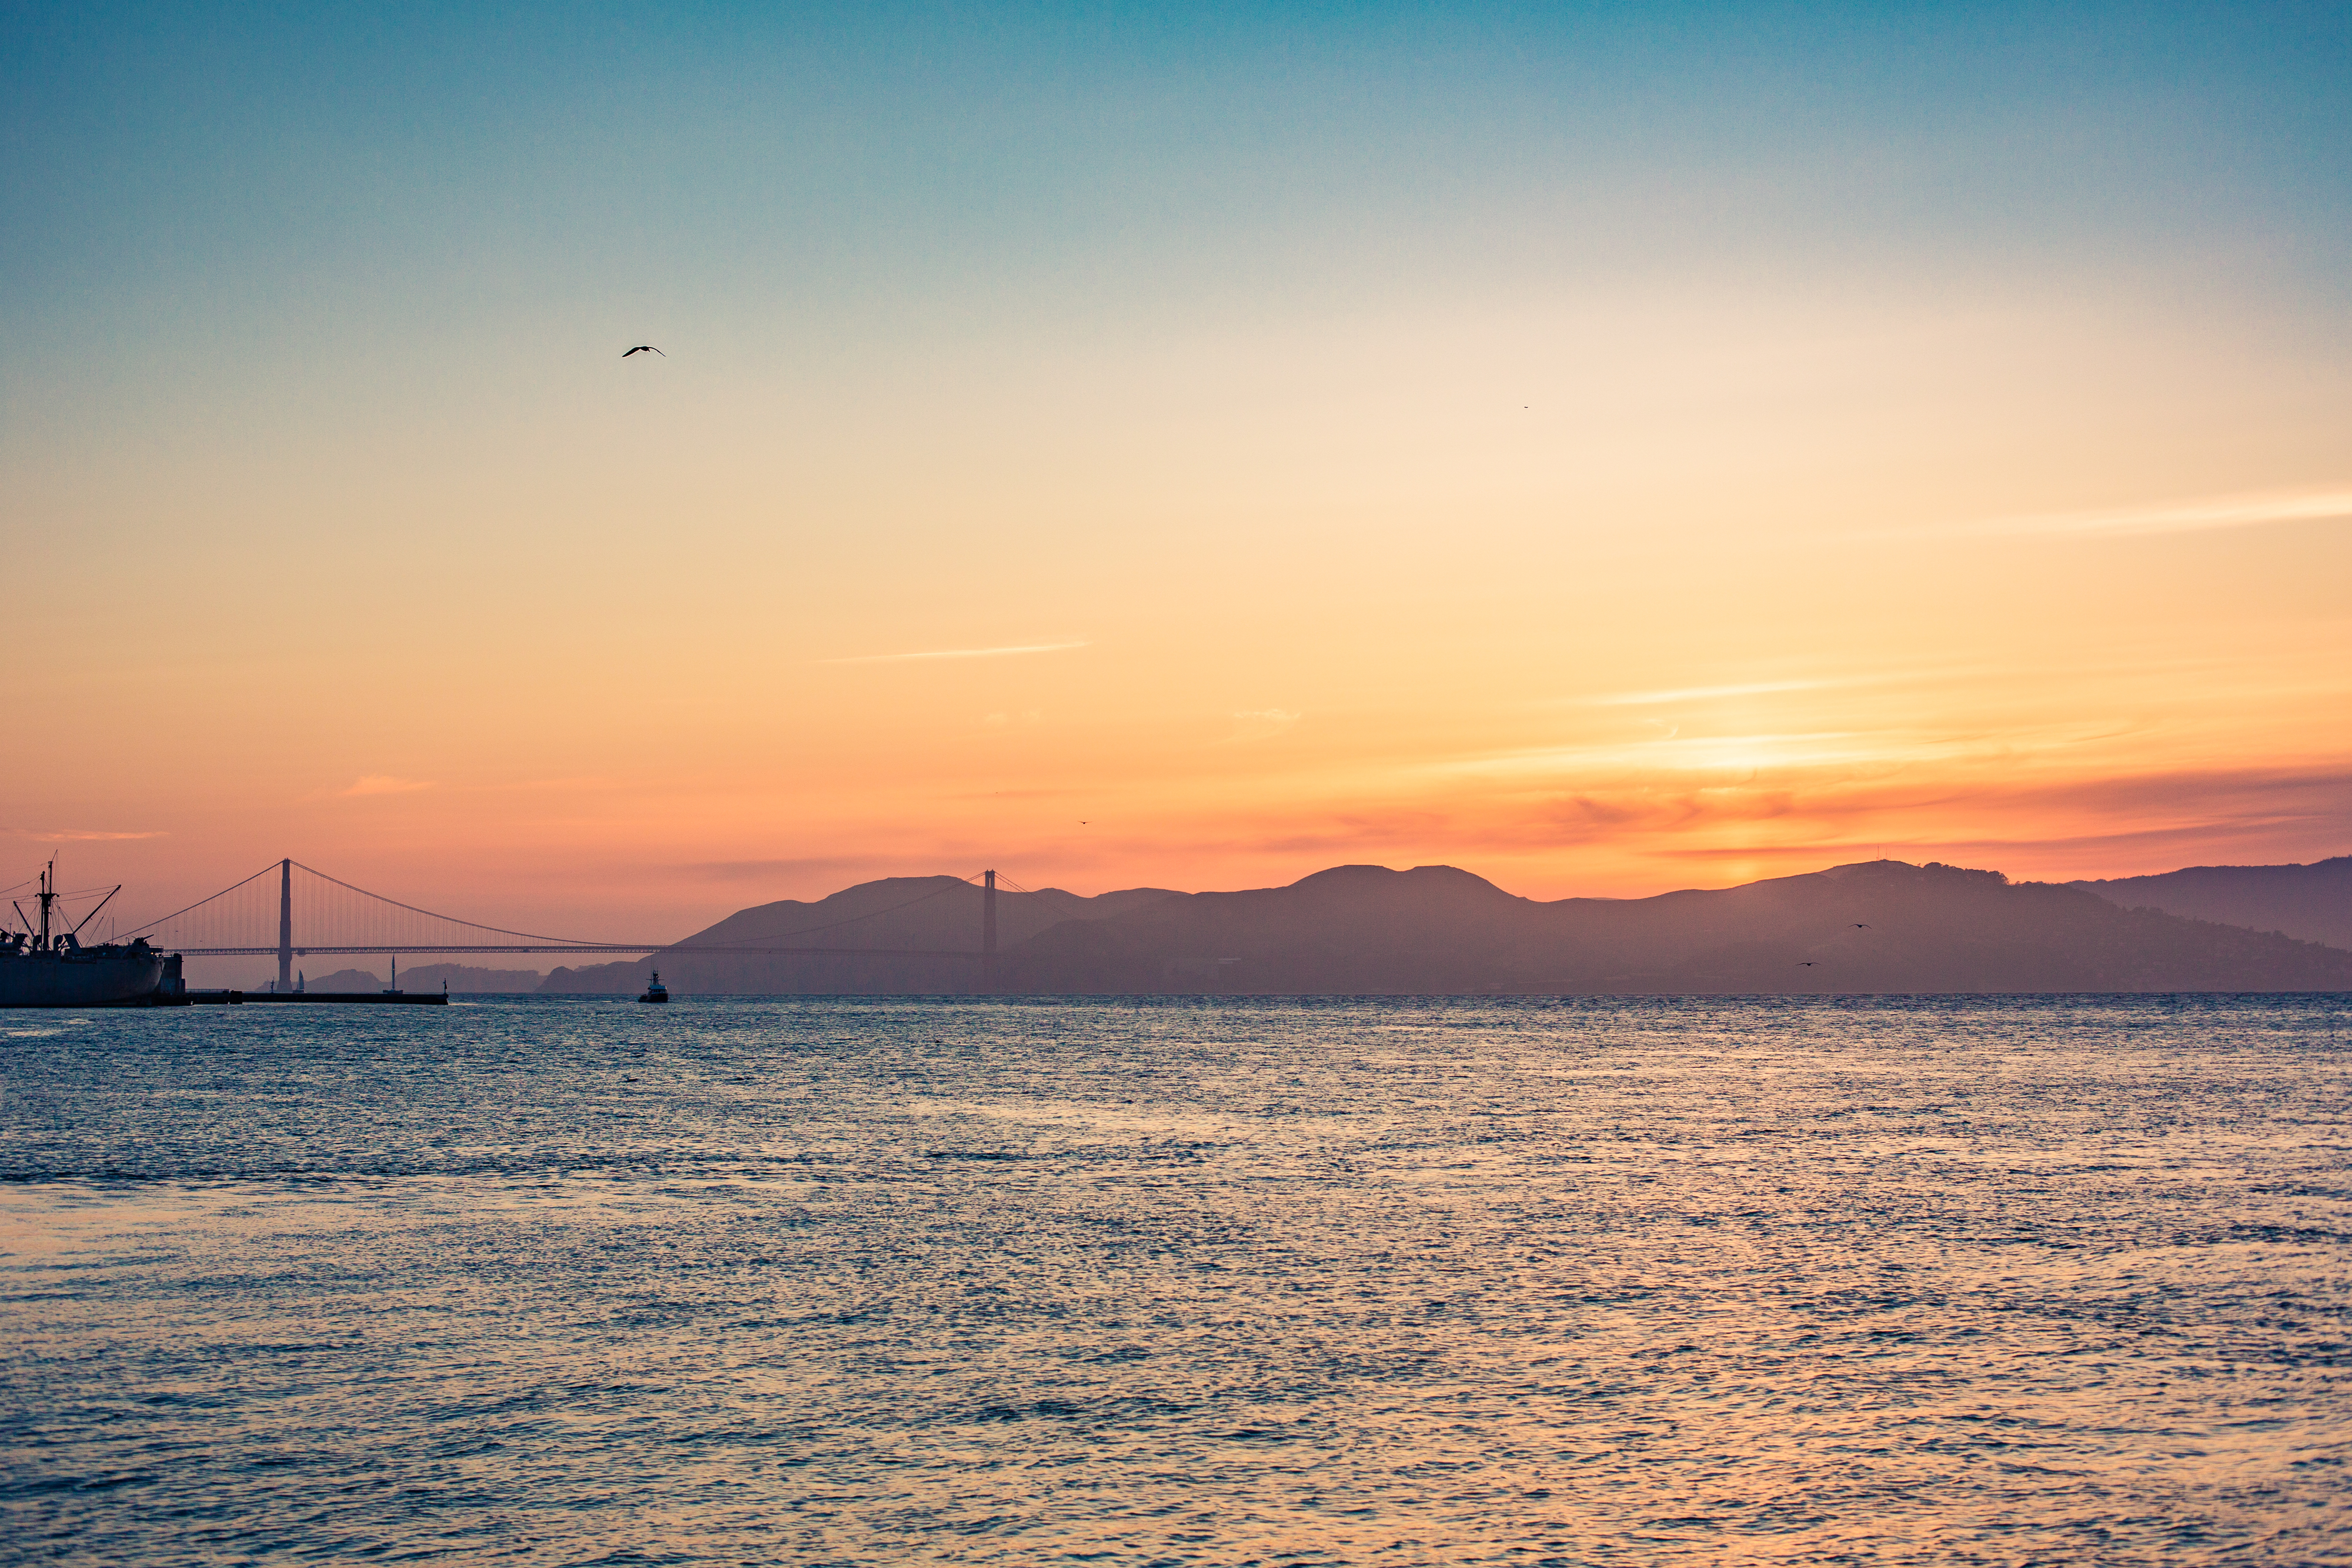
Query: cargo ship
{"x": 38, "y": 969}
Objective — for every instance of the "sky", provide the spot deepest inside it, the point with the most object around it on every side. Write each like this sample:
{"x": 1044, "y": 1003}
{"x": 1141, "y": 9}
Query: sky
{"x": 1608, "y": 448}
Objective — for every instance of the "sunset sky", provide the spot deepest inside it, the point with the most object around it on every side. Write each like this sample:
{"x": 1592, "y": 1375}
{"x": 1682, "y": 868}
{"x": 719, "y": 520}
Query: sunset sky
{"x": 1610, "y": 449}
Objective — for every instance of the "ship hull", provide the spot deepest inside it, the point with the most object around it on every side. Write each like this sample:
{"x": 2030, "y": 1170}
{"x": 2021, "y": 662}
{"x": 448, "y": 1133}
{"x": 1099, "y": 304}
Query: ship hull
{"x": 79, "y": 979}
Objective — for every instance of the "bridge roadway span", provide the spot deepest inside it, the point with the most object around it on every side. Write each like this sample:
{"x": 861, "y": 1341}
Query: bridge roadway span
{"x": 210, "y": 927}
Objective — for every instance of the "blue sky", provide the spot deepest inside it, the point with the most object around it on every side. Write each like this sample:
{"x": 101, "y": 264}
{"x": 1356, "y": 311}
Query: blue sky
{"x": 199, "y": 163}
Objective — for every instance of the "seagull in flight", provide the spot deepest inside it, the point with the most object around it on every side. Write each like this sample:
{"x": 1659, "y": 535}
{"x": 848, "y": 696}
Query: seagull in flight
{"x": 1862, "y": 925}
{"x": 1807, "y": 963}
{"x": 645, "y": 349}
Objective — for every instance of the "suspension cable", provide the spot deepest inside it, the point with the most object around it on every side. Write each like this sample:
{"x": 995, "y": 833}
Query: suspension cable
{"x": 452, "y": 919}
{"x": 537, "y": 937}
{"x": 199, "y": 904}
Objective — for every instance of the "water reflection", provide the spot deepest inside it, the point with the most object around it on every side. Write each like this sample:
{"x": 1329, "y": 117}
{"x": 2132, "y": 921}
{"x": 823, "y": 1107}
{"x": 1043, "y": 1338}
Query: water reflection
{"x": 1953, "y": 1281}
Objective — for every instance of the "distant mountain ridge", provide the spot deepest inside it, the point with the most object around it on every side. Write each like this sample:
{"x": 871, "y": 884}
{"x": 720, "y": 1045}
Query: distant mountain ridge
{"x": 1873, "y": 926}
{"x": 936, "y": 913}
{"x": 462, "y": 979}
{"x": 2313, "y": 901}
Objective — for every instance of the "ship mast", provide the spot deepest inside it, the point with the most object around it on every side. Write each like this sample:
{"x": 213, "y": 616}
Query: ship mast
{"x": 49, "y": 896}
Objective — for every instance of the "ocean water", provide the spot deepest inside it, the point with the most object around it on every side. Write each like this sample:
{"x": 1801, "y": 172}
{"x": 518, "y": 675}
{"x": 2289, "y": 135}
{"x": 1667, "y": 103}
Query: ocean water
{"x": 1958, "y": 1281}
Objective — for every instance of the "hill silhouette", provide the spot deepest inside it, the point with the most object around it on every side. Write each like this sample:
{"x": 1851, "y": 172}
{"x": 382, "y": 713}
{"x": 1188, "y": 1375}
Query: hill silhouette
{"x": 906, "y": 912}
{"x": 2313, "y": 901}
{"x": 1874, "y": 926}
{"x": 463, "y": 980}
{"x": 1881, "y": 925}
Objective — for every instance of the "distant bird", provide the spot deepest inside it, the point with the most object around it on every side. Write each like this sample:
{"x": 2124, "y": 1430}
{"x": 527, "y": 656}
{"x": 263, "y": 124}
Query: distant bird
{"x": 1807, "y": 963}
{"x": 645, "y": 349}
{"x": 1862, "y": 925}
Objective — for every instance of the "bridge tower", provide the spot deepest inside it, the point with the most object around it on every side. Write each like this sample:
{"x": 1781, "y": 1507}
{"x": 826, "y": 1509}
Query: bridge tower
{"x": 286, "y": 924}
{"x": 988, "y": 932}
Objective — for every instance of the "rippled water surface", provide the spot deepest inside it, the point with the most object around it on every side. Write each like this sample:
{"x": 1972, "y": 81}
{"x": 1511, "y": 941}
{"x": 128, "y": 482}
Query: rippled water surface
{"x": 1881, "y": 1282}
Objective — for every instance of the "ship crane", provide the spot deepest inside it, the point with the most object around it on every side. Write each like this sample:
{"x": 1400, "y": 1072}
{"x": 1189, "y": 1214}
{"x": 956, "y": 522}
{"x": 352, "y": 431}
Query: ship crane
{"x": 45, "y": 966}
{"x": 47, "y": 898}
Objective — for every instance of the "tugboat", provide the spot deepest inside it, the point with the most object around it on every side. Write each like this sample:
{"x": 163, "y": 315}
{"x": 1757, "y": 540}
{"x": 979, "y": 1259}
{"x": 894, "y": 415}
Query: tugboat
{"x": 657, "y": 992}
{"x": 41, "y": 970}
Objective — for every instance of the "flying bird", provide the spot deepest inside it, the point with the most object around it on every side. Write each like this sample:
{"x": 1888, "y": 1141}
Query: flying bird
{"x": 1862, "y": 925}
{"x": 645, "y": 349}
{"x": 1807, "y": 963}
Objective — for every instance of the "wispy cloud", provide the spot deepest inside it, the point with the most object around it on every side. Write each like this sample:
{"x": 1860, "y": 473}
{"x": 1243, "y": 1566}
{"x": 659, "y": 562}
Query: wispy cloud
{"x": 1693, "y": 693}
{"x": 956, "y": 653}
{"x": 2157, "y": 818}
{"x": 385, "y": 784}
{"x": 83, "y": 835}
{"x": 1676, "y": 753}
{"x": 1263, "y": 723}
{"x": 2184, "y": 516}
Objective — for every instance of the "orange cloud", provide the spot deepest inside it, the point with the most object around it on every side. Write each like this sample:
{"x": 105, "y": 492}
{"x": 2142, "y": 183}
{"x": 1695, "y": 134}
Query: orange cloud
{"x": 385, "y": 784}
{"x": 84, "y": 835}
{"x": 2192, "y": 515}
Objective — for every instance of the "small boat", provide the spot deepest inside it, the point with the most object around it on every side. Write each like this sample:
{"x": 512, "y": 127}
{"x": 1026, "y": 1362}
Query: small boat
{"x": 657, "y": 992}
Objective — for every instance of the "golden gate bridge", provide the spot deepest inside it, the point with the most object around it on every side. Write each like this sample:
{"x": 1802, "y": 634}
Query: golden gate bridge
{"x": 314, "y": 913}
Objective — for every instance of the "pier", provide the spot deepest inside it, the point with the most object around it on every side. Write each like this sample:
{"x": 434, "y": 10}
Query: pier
{"x": 344, "y": 998}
